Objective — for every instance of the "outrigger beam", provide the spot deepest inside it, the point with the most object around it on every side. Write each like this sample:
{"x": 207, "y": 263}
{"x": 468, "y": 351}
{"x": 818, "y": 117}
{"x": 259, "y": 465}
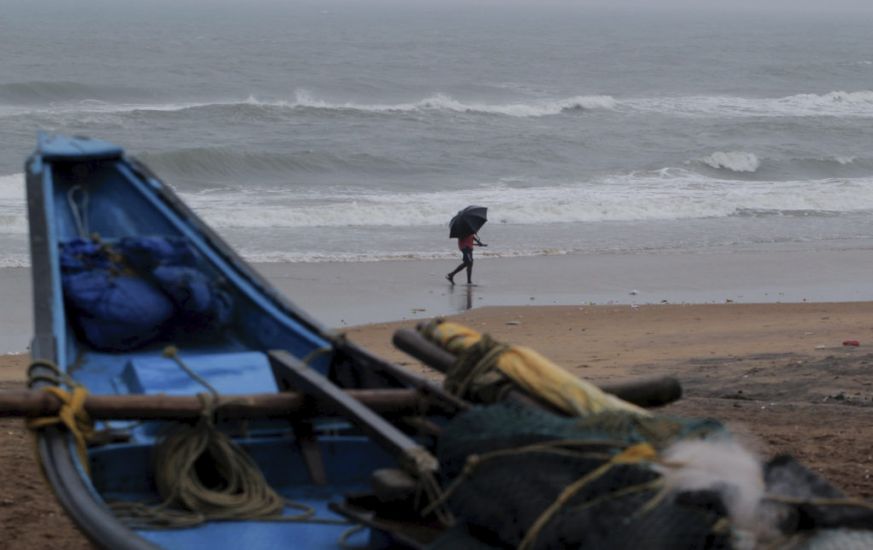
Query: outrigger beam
{"x": 285, "y": 405}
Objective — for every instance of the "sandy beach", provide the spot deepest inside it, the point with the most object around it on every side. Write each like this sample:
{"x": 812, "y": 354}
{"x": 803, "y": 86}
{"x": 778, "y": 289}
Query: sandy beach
{"x": 778, "y": 374}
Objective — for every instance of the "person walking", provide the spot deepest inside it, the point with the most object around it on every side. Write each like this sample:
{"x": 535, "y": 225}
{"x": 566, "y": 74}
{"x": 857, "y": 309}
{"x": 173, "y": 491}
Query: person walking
{"x": 465, "y": 245}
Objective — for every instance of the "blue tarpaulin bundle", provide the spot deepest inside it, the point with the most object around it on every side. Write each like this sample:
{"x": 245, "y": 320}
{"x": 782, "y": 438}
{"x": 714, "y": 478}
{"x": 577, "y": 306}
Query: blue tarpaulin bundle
{"x": 128, "y": 293}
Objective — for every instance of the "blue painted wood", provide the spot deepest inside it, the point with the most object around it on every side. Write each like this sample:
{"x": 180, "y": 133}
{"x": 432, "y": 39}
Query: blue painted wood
{"x": 228, "y": 373}
{"x": 59, "y": 147}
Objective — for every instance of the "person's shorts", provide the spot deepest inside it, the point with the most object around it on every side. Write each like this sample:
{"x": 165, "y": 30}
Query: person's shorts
{"x": 467, "y": 255}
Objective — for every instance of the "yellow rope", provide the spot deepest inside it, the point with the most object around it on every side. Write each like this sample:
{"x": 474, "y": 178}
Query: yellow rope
{"x": 526, "y": 368}
{"x": 632, "y": 455}
{"x": 72, "y": 414}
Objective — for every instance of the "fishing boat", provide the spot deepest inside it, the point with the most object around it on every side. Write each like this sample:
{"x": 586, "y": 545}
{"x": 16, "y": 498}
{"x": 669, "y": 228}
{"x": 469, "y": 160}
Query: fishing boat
{"x": 184, "y": 403}
{"x": 87, "y": 191}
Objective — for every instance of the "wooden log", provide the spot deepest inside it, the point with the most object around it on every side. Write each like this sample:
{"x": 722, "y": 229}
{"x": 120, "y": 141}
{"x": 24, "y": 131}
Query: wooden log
{"x": 645, "y": 392}
{"x": 34, "y": 403}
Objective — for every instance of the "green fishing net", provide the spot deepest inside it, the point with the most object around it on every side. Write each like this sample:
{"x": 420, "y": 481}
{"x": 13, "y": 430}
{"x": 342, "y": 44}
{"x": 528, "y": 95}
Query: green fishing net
{"x": 506, "y": 467}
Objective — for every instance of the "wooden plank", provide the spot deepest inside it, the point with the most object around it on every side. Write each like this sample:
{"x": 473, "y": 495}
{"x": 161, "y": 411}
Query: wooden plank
{"x": 310, "y": 451}
{"x": 292, "y": 374}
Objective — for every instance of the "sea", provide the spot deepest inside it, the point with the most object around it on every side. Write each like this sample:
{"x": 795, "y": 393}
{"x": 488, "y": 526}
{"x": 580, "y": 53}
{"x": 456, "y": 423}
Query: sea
{"x": 341, "y": 131}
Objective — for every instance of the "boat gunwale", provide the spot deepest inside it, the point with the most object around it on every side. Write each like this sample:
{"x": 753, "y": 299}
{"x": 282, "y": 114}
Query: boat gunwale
{"x": 55, "y": 447}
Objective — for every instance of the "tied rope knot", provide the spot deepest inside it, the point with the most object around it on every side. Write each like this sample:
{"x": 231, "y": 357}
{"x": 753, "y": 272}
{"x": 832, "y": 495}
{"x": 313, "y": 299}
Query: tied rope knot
{"x": 72, "y": 413}
{"x": 475, "y": 372}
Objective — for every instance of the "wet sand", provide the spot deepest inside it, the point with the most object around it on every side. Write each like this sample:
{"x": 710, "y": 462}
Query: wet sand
{"x": 347, "y": 294}
{"x": 778, "y": 374}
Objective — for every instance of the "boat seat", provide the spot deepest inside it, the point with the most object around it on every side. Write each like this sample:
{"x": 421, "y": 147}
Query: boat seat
{"x": 229, "y": 373}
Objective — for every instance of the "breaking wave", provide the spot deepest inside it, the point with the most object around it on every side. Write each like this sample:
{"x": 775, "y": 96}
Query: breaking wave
{"x": 442, "y": 102}
{"x": 835, "y": 103}
{"x": 61, "y": 98}
{"x": 747, "y": 165}
{"x": 667, "y": 194}
{"x": 670, "y": 194}
{"x": 735, "y": 161}
{"x": 304, "y": 100}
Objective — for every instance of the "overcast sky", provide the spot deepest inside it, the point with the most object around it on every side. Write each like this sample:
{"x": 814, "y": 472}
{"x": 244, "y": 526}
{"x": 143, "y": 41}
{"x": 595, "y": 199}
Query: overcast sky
{"x": 720, "y": 5}
{"x": 784, "y": 8}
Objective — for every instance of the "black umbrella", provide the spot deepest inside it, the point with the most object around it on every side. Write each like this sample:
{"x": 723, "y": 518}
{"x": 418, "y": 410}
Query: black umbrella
{"x": 467, "y": 222}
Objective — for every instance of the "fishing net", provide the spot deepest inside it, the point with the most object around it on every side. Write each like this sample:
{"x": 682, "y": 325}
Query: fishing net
{"x": 519, "y": 477}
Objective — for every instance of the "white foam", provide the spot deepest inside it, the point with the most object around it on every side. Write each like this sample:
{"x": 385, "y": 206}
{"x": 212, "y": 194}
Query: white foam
{"x": 736, "y": 161}
{"x": 304, "y": 99}
{"x": 13, "y": 211}
{"x": 669, "y": 194}
{"x": 442, "y": 102}
{"x": 835, "y": 103}
{"x": 12, "y": 187}
{"x": 22, "y": 260}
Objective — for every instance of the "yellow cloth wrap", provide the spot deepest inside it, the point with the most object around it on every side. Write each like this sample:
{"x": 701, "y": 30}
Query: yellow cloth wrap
{"x": 539, "y": 376}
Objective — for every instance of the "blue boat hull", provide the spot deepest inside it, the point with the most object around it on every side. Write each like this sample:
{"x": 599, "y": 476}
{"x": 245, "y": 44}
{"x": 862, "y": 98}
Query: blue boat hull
{"x": 78, "y": 185}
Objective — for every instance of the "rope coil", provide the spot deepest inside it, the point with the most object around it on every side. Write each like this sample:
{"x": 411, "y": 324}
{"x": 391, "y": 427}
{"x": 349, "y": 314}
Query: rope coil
{"x": 203, "y": 475}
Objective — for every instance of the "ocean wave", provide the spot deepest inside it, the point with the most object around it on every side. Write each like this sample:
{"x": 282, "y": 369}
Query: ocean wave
{"x": 803, "y": 213}
{"x": 669, "y": 194}
{"x": 12, "y": 187}
{"x": 735, "y": 161}
{"x": 858, "y": 104}
{"x": 226, "y": 162}
{"x": 747, "y": 165}
{"x": 355, "y": 257}
{"x": 14, "y": 260}
{"x": 304, "y": 100}
{"x": 442, "y": 102}
{"x": 278, "y": 256}
{"x": 13, "y": 215}
{"x": 835, "y": 103}
{"x": 35, "y": 92}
